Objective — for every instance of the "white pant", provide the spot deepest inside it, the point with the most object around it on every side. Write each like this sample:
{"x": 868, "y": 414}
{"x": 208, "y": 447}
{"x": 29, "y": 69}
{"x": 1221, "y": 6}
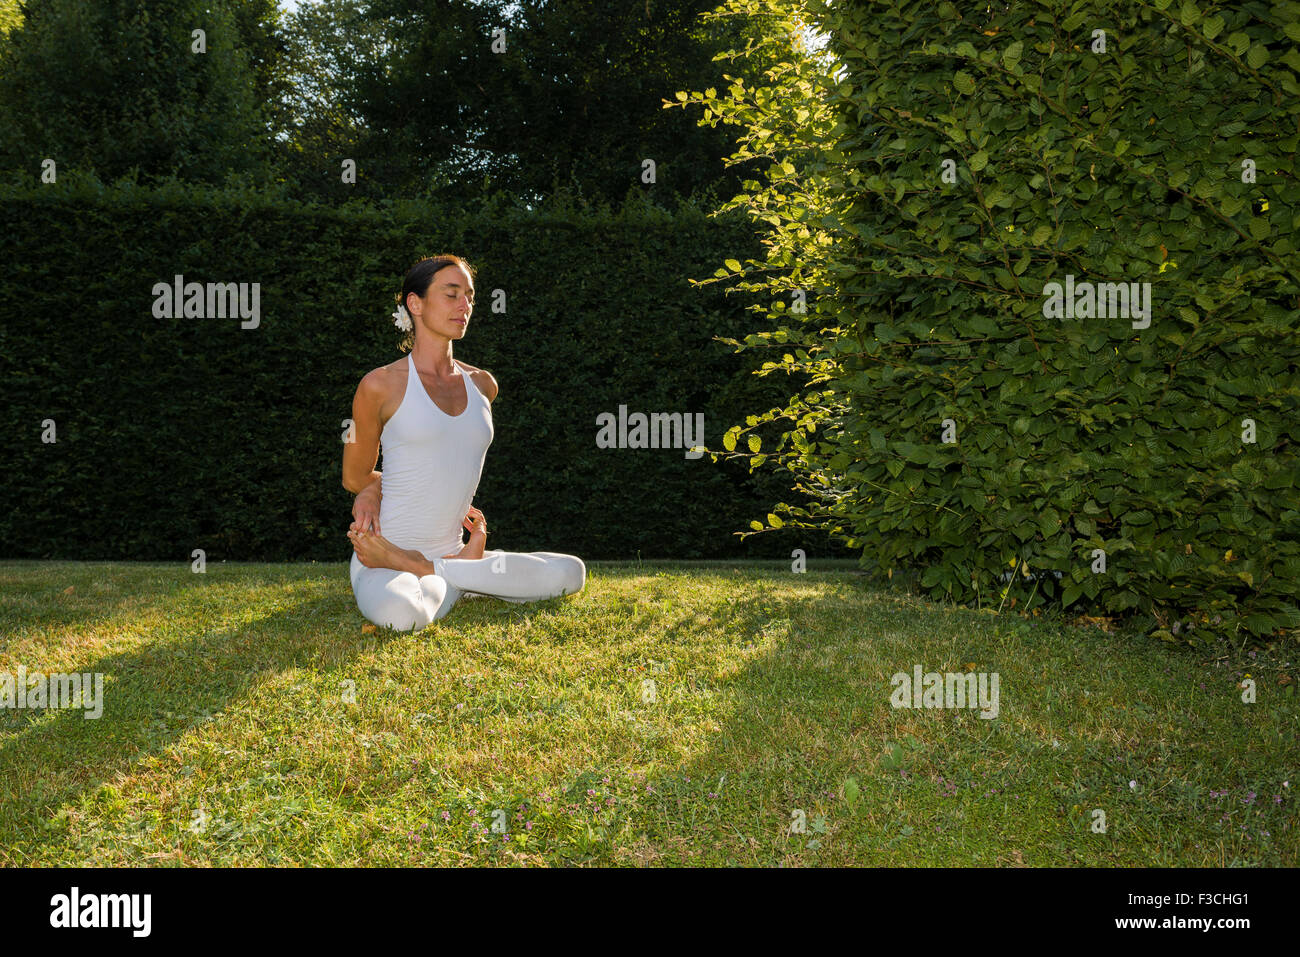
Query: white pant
{"x": 400, "y": 600}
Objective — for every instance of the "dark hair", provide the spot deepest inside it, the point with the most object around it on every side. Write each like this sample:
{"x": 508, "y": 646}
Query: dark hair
{"x": 417, "y": 281}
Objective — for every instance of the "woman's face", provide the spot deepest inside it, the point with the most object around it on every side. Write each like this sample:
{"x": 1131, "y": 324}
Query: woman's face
{"x": 448, "y": 302}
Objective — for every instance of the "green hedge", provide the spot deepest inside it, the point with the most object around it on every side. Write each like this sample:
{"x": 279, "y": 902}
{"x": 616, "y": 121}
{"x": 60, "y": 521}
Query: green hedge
{"x": 969, "y": 156}
{"x": 176, "y": 434}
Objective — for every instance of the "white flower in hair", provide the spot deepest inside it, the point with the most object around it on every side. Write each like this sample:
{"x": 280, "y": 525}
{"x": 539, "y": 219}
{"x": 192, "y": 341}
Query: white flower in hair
{"x": 402, "y": 319}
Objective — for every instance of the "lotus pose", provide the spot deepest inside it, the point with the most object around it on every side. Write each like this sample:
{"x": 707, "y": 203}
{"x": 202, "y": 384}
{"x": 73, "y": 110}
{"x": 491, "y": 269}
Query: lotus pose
{"x": 433, "y": 416}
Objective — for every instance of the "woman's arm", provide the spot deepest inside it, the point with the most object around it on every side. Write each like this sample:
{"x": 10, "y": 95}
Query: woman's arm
{"x": 361, "y": 454}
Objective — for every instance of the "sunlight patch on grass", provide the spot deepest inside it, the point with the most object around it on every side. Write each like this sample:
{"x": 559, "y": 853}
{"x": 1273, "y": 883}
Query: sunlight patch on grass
{"x": 666, "y": 715}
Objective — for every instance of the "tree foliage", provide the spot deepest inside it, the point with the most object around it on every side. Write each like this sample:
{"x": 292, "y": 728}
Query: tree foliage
{"x": 112, "y": 86}
{"x": 569, "y": 94}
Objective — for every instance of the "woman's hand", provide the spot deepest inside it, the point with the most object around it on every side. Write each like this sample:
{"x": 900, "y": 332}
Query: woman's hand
{"x": 365, "y": 510}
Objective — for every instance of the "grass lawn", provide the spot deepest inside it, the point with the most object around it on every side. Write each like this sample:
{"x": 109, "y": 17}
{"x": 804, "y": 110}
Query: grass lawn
{"x": 249, "y": 718}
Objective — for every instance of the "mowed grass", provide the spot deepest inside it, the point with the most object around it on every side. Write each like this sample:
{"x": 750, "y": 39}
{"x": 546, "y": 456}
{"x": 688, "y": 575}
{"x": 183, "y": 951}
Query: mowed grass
{"x": 250, "y": 719}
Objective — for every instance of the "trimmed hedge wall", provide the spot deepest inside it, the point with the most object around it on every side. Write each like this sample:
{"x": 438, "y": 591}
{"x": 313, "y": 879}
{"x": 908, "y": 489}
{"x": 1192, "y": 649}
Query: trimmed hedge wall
{"x": 177, "y": 434}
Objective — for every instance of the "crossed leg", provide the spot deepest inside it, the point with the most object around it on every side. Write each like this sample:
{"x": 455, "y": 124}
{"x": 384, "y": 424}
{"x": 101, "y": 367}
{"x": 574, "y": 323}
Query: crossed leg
{"x": 395, "y": 599}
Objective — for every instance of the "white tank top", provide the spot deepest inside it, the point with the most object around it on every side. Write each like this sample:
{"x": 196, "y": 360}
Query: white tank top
{"x": 432, "y": 465}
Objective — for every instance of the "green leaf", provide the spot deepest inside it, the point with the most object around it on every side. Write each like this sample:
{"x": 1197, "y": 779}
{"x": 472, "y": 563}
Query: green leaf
{"x": 963, "y": 82}
{"x": 1238, "y": 42}
{"x": 1011, "y": 55}
{"x": 732, "y": 264}
{"x": 979, "y": 161}
{"x": 755, "y": 443}
{"x": 934, "y": 575}
{"x": 1257, "y": 56}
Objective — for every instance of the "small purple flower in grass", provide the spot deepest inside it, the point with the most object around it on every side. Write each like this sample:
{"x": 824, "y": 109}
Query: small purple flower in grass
{"x": 528, "y": 826}
{"x": 446, "y": 815}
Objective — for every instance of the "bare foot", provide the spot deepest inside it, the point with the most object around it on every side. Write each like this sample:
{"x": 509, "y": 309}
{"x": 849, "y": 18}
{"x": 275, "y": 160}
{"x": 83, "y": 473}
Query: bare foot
{"x": 473, "y": 548}
{"x": 375, "y": 551}
{"x": 476, "y": 522}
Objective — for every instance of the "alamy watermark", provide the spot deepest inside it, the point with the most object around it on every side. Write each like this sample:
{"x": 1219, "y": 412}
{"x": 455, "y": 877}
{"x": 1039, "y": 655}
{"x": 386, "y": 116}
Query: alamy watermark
{"x": 39, "y": 690}
{"x": 934, "y": 690}
{"x": 75, "y": 909}
{"x": 1098, "y": 300}
{"x": 215, "y": 300}
{"x": 666, "y": 430}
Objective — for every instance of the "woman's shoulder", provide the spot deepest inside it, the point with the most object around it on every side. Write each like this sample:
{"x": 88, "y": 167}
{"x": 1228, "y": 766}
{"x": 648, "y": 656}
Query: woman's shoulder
{"x": 381, "y": 381}
{"x": 484, "y": 381}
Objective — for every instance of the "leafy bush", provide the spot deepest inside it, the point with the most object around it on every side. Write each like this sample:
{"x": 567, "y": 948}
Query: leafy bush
{"x": 952, "y": 163}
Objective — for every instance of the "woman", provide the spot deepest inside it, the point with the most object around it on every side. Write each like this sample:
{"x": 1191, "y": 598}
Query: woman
{"x": 434, "y": 418}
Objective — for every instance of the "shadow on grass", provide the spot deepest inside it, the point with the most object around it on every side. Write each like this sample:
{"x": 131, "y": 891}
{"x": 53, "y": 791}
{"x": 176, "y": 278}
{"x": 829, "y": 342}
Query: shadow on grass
{"x": 805, "y": 709}
{"x": 153, "y": 695}
{"x": 752, "y": 737}
{"x": 32, "y": 595}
